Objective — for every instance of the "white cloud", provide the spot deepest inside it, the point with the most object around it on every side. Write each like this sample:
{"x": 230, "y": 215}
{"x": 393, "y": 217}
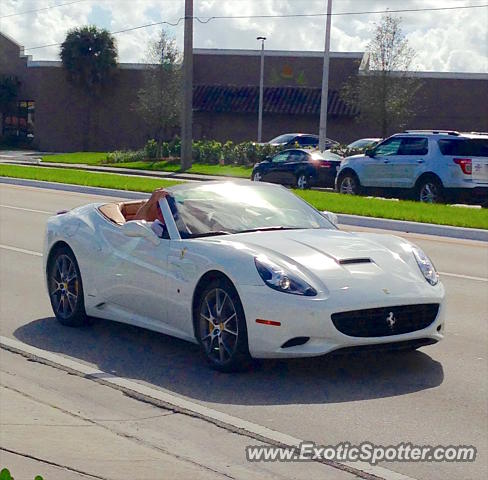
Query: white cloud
{"x": 444, "y": 41}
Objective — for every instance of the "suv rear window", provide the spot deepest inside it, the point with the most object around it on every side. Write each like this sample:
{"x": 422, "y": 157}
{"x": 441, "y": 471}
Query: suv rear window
{"x": 471, "y": 147}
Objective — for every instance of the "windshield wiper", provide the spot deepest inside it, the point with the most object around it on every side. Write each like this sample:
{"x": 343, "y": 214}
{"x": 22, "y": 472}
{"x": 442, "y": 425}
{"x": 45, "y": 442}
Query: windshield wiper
{"x": 210, "y": 234}
{"x": 267, "y": 229}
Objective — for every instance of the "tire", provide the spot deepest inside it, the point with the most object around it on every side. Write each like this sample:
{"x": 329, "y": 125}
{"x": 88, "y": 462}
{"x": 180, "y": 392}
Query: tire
{"x": 66, "y": 288}
{"x": 302, "y": 181}
{"x": 220, "y": 328}
{"x": 430, "y": 190}
{"x": 348, "y": 184}
{"x": 257, "y": 177}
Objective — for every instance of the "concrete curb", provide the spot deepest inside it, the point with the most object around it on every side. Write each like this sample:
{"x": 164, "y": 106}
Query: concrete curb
{"x": 351, "y": 220}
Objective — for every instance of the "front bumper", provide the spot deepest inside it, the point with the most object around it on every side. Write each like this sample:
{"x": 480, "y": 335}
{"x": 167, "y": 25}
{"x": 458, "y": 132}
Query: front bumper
{"x": 311, "y": 317}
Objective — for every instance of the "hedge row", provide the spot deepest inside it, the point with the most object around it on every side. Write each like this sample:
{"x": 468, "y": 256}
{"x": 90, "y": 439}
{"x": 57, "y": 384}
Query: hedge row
{"x": 208, "y": 152}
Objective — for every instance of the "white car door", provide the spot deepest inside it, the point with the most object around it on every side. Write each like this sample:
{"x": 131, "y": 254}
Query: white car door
{"x": 410, "y": 162}
{"x": 378, "y": 169}
{"x": 136, "y": 276}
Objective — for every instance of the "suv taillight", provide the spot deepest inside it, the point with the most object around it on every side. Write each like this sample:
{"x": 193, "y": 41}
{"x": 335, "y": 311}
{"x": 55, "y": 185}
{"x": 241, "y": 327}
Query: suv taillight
{"x": 465, "y": 164}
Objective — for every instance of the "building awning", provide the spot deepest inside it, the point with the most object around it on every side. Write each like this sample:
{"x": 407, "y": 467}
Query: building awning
{"x": 279, "y": 100}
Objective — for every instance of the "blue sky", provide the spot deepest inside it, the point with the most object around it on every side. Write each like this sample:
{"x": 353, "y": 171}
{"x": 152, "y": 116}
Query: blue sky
{"x": 452, "y": 41}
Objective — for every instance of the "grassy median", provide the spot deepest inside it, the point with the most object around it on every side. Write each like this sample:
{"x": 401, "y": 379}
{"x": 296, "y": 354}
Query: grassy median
{"x": 84, "y": 178}
{"x": 369, "y": 207}
{"x": 97, "y": 158}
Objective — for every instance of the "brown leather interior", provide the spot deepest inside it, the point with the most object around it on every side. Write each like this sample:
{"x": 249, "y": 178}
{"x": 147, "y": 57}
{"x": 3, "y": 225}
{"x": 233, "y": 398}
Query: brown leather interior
{"x": 121, "y": 212}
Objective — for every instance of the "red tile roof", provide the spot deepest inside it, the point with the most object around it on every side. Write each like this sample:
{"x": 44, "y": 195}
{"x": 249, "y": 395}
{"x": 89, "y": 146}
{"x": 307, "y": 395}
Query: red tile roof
{"x": 281, "y": 100}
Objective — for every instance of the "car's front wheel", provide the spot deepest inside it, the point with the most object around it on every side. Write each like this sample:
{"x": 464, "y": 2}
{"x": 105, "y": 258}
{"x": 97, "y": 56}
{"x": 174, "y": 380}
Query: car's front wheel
{"x": 65, "y": 288}
{"x": 221, "y": 327}
{"x": 348, "y": 184}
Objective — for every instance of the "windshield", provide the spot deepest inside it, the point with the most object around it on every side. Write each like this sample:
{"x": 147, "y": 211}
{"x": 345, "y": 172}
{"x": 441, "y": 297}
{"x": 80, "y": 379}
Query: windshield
{"x": 287, "y": 137}
{"x": 226, "y": 208}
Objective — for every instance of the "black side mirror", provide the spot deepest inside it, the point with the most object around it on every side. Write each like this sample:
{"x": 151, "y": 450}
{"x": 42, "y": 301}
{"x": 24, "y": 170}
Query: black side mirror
{"x": 369, "y": 152}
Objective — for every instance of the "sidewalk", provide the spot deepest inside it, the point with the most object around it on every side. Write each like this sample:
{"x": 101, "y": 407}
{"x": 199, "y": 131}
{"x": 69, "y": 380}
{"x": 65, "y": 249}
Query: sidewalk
{"x": 66, "y": 427}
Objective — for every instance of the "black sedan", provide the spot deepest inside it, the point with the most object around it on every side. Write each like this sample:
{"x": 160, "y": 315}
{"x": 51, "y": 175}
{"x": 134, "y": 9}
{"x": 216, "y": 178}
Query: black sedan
{"x": 298, "y": 167}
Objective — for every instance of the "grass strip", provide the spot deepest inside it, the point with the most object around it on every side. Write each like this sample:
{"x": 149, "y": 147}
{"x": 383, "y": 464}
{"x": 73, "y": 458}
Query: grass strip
{"x": 82, "y": 158}
{"x": 99, "y": 158}
{"x": 397, "y": 210}
{"x": 237, "y": 171}
{"x": 369, "y": 207}
{"x": 84, "y": 178}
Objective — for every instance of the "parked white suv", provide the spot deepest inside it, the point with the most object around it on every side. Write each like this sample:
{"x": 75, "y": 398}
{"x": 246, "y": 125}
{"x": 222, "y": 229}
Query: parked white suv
{"x": 429, "y": 165}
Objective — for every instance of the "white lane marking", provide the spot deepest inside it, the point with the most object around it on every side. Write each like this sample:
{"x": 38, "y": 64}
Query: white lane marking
{"x": 183, "y": 405}
{"x": 465, "y": 277}
{"x": 20, "y": 250}
{"x": 26, "y": 209}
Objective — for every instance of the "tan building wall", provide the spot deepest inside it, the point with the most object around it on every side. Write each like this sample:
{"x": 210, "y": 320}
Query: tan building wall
{"x": 61, "y": 110}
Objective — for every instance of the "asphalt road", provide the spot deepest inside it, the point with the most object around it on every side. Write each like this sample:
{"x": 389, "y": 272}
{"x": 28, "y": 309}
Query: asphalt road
{"x": 436, "y": 396}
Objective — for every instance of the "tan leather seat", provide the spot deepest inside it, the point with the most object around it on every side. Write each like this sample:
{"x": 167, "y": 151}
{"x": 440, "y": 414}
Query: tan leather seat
{"x": 112, "y": 212}
{"x": 122, "y": 212}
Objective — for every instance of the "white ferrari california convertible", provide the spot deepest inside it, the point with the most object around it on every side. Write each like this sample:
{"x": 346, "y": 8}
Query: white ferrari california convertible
{"x": 245, "y": 270}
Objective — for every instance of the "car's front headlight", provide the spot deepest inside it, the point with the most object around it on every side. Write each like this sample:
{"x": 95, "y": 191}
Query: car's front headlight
{"x": 426, "y": 266}
{"x": 281, "y": 279}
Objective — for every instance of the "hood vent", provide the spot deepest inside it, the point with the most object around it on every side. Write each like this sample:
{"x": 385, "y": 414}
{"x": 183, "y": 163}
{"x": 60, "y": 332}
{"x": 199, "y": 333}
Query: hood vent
{"x": 353, "y": 261}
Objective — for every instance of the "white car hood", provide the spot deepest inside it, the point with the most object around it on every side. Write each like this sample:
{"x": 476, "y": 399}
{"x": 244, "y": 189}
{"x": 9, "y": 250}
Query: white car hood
{"x": 340, "y": 260}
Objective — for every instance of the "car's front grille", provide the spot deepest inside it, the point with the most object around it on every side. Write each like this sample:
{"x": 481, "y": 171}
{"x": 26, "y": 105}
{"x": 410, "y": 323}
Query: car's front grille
{"x": 385, "y": 321}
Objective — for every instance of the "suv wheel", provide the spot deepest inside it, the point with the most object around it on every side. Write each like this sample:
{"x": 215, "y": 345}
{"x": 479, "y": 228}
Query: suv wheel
{"x": 430, "y": 190}
{"x": 348, "y": 184}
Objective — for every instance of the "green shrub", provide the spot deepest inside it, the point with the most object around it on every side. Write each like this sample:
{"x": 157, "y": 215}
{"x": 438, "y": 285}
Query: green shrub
{"x": 344, "y": 151}
{"x": 151, "y": 149}
{"x": 124, "y": 156}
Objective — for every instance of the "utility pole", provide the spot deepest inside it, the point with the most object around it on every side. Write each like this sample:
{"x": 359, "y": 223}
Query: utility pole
{"x": 325, "y": 81}
{"x": 261, "y": 91}
{"x": 186, "y": 126}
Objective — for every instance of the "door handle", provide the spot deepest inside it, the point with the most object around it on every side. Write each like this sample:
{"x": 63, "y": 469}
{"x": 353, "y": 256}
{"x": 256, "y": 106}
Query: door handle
{"x": 420, "y": 161}
{"x": 386, "y": 161}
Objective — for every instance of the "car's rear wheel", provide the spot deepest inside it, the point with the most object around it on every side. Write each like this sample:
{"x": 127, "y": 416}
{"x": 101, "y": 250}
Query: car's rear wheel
{"x": 221, "y": 327}
{"x": 65, "y": 288}
{"x": 430, "y": 190}
{"x": 257, "y": 177}
{"x": 348, "y": 184}
{"x": 303, "y": 181}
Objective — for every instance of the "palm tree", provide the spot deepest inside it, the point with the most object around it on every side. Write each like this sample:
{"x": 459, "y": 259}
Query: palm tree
{"x": 89, "y": 56}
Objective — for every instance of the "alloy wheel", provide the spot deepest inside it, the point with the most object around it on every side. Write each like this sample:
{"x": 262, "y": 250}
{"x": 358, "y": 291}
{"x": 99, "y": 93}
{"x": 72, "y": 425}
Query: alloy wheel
{"x": 219, "y": 326}
{"x": 429, "y": 193}
{"x": 302, "y": 182}
{"x": 348, "y": 186}
{"x": 257, "y": 177}
{"x": 64, "y": 286}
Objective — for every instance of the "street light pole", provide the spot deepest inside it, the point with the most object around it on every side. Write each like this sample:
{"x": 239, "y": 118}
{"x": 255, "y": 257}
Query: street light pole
{"x": 261, "y": 90}
{"x": 186, "y": 126}
{"x": 325, "y": 81}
